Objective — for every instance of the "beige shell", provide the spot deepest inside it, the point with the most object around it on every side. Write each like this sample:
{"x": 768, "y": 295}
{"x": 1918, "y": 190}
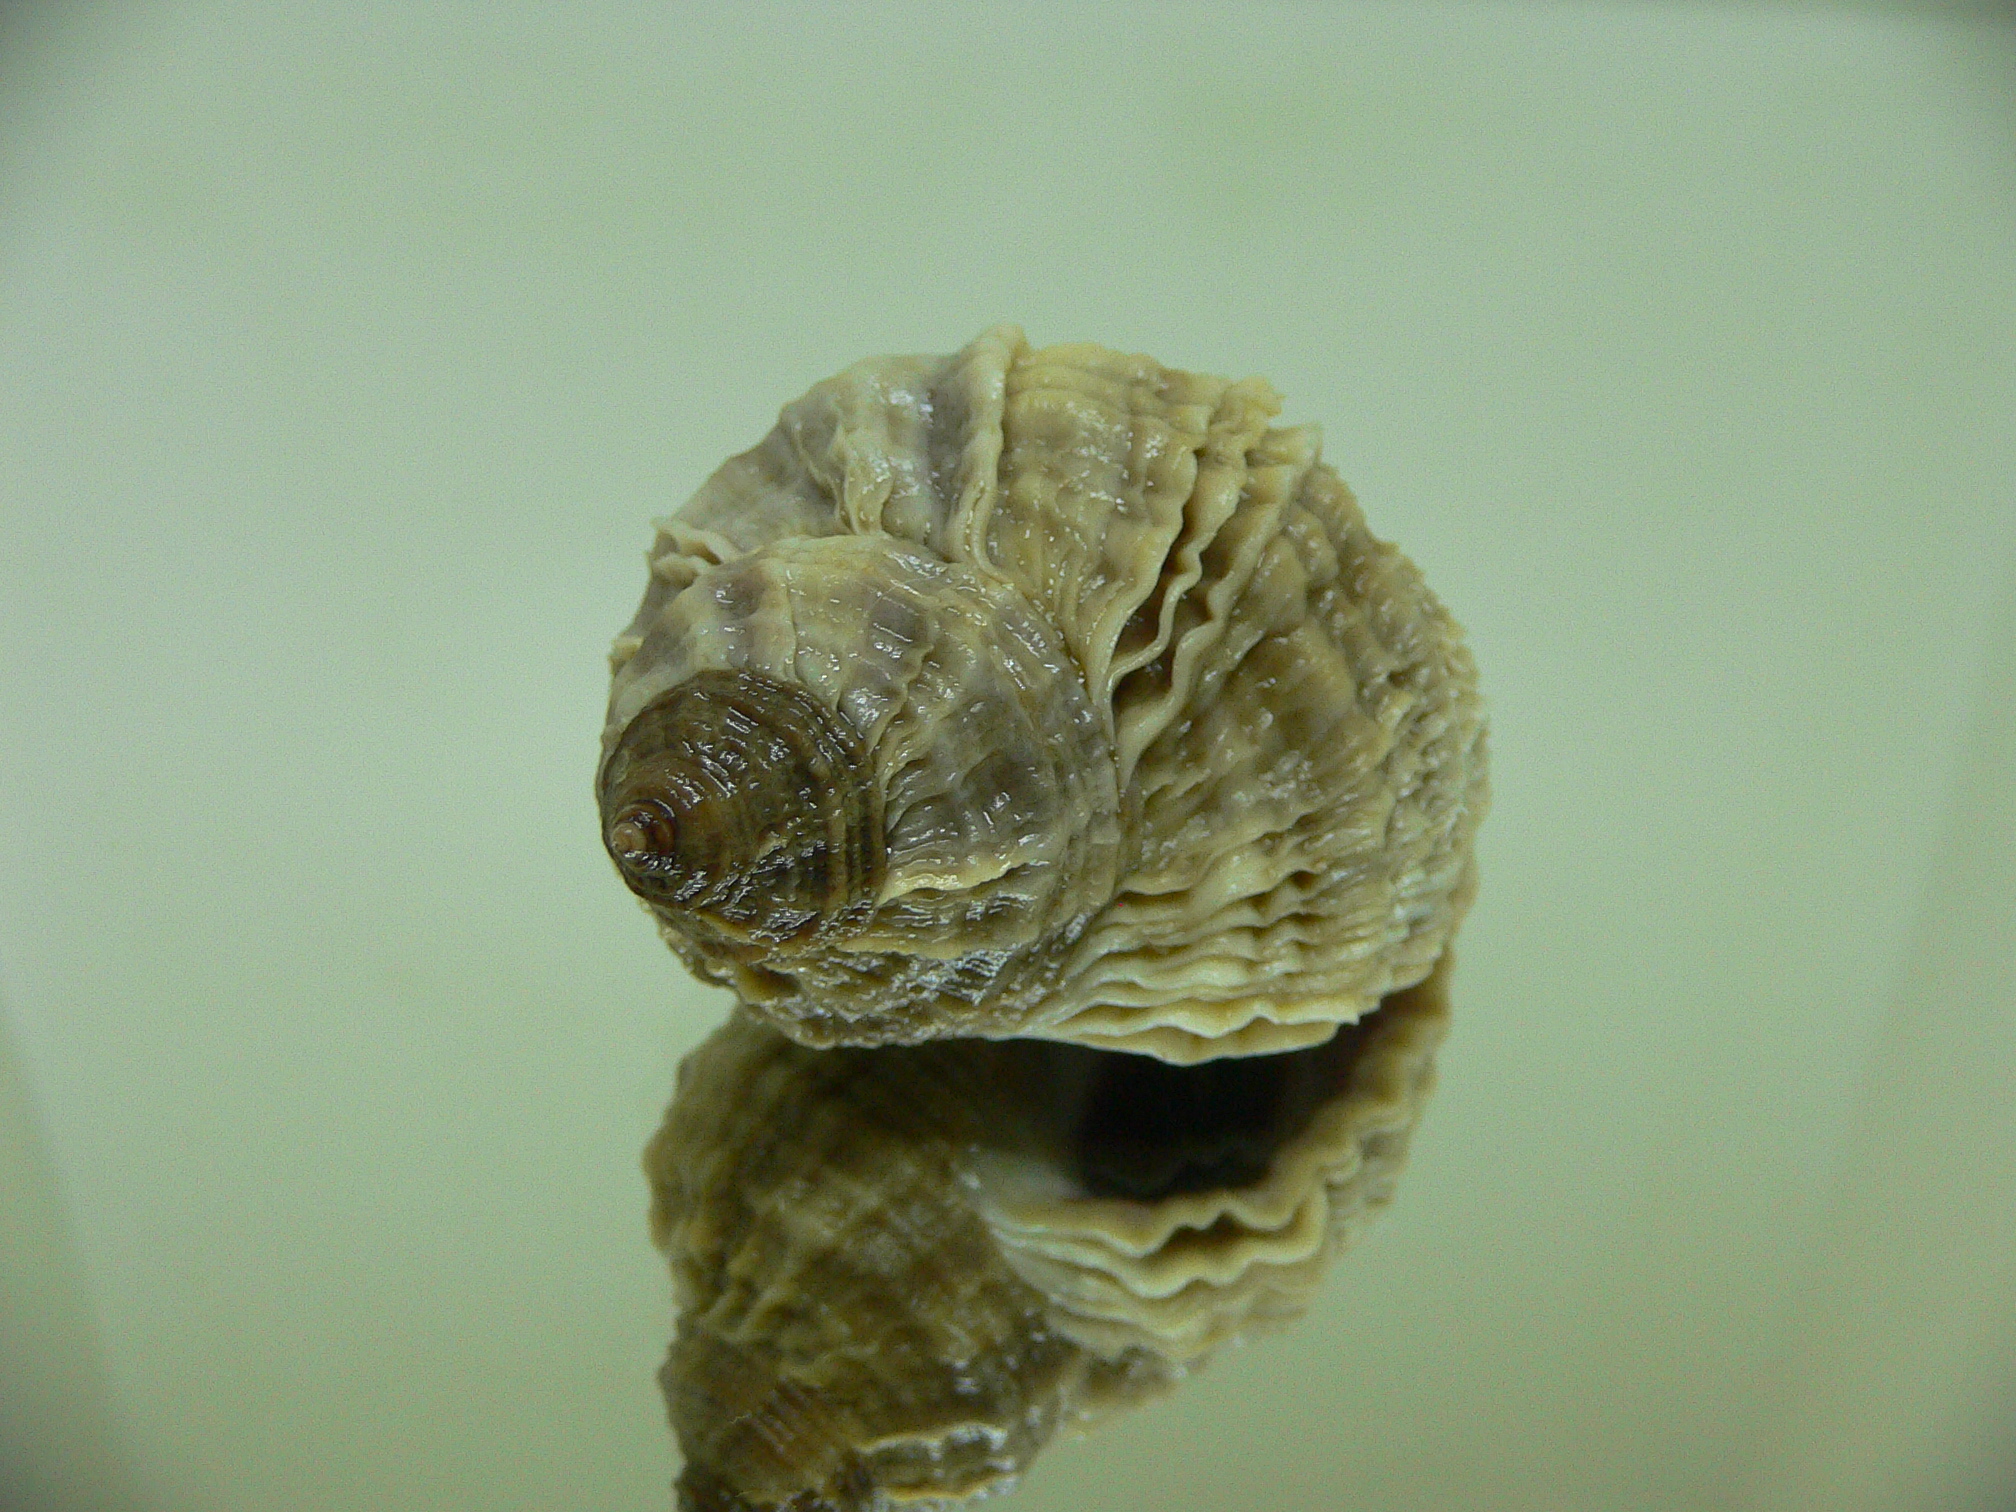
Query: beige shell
{"x": 1045, "y": 693}
{"x": 902, "y": 1271}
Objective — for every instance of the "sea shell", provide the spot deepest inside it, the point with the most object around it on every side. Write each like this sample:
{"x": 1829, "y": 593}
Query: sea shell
{"x": 1046, "y": 693}
{"x": 902, "y": 1271}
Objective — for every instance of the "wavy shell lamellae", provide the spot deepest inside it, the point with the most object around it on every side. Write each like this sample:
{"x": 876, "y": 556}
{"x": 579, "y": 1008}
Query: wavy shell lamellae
{"x": 1042, "y": 693}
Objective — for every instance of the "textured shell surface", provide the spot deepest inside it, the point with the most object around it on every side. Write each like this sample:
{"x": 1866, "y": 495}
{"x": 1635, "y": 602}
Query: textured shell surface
{"x": 903, "y": 1271}
{"x": 1042, "y": 692}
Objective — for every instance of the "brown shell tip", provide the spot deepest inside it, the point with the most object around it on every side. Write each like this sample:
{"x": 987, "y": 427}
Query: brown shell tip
{"x": 778, "y": 838}
{"x": 643, "y": 833}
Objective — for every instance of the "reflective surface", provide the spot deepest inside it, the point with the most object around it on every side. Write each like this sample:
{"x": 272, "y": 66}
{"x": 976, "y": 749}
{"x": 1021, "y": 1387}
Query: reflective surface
{"x": 902, "y": 1271}
{"x": 344, "y": 351}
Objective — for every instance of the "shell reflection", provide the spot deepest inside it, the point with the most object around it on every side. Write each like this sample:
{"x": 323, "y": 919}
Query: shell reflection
{"x": 902, "y": 1271}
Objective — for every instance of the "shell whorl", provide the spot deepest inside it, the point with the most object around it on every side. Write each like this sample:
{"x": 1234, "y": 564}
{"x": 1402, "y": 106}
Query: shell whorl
{"x": 1171, "y": 755}
{"x": 948, "y": 720}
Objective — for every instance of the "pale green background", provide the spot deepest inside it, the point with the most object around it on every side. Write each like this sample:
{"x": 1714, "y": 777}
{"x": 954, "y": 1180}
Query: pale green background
{"x": 346, "y": 351}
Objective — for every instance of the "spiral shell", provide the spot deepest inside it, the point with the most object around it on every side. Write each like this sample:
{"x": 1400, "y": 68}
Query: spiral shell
{"x": 1047, "y": 693}
{"x": 903, "y": 1271}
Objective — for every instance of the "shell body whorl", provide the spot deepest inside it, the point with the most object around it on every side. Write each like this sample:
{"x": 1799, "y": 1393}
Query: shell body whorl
{"x": 1153, "y": 745}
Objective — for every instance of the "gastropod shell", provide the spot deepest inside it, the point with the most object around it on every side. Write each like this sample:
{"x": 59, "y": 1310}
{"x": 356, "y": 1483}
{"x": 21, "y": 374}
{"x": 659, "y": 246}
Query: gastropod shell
{"x": 1043, "y": 693}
